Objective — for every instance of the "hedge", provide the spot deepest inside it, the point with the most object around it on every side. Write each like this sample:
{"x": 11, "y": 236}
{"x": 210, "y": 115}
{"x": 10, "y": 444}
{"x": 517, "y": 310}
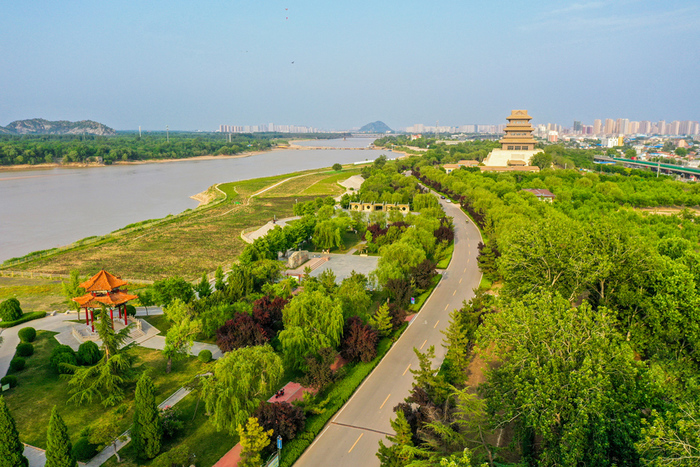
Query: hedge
{"x": 338, "y": 395}
{"x": 17, "y": 364}
{"x": 204, "y": 356}
{"x": 25, "y": 349}
{"x": 9, "y": 379}
{"x": 27, "y": 334}
{"x": 25, "y": 317}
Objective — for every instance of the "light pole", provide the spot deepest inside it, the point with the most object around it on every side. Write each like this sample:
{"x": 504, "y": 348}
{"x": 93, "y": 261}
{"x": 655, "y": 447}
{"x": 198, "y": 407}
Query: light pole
{"x": 279, "y": 448}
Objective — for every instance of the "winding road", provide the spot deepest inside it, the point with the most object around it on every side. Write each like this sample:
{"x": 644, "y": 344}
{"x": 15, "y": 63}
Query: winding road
{"x": 351, "y": 438}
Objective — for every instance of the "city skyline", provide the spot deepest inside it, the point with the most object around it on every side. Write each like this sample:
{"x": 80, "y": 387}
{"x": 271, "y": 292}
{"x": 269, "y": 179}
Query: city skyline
{"x": 332, "y": 65}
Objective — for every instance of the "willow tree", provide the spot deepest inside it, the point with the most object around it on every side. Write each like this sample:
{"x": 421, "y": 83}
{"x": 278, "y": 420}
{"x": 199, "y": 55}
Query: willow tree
{"x": 240, "y": 380}
{"x": 312, "y": 321}
{"x": 106, "y": 379}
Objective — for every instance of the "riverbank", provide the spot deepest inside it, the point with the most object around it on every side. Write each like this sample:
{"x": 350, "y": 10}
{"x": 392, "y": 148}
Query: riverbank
{"x": 80, "y": 165}
{"x": 195, "y": 241}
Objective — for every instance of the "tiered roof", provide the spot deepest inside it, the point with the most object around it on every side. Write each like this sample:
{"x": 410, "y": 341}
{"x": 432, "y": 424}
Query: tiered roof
{"x": 519, "y": 130}
{"x": 103, "y": 289}
{"x": 102, "y": 282}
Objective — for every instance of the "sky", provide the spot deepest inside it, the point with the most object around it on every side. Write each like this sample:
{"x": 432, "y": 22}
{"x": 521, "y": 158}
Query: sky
{"x": 339, "y": 65}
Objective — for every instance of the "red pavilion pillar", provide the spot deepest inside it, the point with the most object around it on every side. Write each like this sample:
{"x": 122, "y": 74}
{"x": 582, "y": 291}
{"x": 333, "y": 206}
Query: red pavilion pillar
{"x": 111, "y": 313}
{"x": 87, "y": 318}
{"x": 92, "y": 320}
{"x": 125, "y": 323}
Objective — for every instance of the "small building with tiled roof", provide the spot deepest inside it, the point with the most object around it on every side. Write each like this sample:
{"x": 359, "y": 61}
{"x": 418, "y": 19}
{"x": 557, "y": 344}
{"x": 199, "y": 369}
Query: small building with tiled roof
{"x": 541, "y": 193}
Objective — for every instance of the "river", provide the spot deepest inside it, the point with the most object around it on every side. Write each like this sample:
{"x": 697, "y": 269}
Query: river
{"x": 41, "y": 209}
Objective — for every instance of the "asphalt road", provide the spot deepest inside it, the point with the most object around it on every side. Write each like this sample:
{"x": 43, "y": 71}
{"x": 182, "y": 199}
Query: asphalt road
{"x": 351, "y": 438}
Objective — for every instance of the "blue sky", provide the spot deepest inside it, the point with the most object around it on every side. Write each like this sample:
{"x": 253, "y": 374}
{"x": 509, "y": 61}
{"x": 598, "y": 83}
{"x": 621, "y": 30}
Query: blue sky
{"x": 195, "y": 65}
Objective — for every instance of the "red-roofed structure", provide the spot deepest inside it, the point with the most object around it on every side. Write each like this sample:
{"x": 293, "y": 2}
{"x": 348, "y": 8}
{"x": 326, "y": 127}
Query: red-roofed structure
{"x": 290, "y": 392}
{"x": 103, "y": 289}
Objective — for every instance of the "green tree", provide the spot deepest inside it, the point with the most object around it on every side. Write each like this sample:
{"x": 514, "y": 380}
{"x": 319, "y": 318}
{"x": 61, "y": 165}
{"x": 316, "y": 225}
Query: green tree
{"x": 106, "y": 379}
{"x": 566, "y": 378}
{"x": 312, "y": 320}
{"x": 253, "y": 440}
{"x": 240, "y": 380}
{"x": 203, "y": 289}
{"x": 672, "y": 438}
{"x": 146, "y": 298}
{"x": 167, "y": 290}
{"x": 10, "y": 310}
{"x": 146, "y": 431}
{"x": 400, "y": 451}
{"x": 11, "y": 449}
{"x": 180, "y": 336}
{"x": 58, "y": 445}
{"x": 381, "y": 321}
{"x": 219, "y": 283}
{"x": 542, "y": 160}
{"x": 72, "y": 289}
{"x": 337, "y": 167}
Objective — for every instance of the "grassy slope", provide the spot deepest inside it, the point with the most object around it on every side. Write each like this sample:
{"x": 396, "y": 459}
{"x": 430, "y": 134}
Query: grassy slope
{"x": 197, "y": 242}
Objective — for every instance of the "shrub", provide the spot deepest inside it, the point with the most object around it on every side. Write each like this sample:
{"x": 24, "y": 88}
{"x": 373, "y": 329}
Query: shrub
{"x": 241, "y": 331}
{"x": 88, "y": 353}
{"x": 27, "y": 334}
{"x": 285, "y": 419}
{"x": 60, "y": 357}
{"x": 10, "y": 310}
{"x": 17, "y": 364}
{"x": 83, "y": 450}
{"x": 171, "y": 421}
{"x": 25, "y": 317}
{"x": 25, "y": 349}
{"x": 204, "y": 356}
{"x": 359, "y": 341}
{"x": 9, "y": 379}
{"x": 131, "y": 310}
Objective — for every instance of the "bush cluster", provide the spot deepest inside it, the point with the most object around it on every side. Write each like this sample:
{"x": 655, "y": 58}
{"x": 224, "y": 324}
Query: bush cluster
{"x": 10, "y": 310}
{"x": 83, "y": 450}
{"x": 25, "y": 349}
{"x": 61, "y": 356}
{"x": 27, "y": 334}
{"x": 17, "y": 364}
{"x": 205, "y": 356}
{"x": 9, "y": 379}
{"x": 88, "y": 353}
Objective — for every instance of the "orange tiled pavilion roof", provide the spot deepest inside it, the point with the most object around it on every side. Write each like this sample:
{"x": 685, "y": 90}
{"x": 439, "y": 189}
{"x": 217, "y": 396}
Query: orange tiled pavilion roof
{"x": 102, "y": 281}
{"x": 110, "y": 299}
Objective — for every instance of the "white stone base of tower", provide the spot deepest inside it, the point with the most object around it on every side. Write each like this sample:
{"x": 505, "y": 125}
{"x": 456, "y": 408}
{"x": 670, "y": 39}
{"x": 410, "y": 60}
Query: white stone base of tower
{"x": 503, "y": 157}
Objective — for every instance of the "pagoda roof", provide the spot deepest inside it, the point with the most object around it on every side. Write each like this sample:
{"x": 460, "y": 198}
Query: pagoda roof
{"x": 110, "y": 299}
{"x": 518, "y": 115}
{"x": 102, "y": 281}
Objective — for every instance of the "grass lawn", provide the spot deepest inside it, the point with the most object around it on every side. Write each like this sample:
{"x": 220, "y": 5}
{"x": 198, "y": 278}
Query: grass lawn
{"x": 39, "y": 389}
{"x": 33, "y": 294}
{"x": 199, "y": 435}
{"x": 160, "y": 322}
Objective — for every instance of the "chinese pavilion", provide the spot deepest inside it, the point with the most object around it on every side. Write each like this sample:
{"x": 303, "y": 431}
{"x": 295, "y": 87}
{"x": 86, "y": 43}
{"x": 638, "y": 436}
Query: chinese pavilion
{"x": 103, "y": 289}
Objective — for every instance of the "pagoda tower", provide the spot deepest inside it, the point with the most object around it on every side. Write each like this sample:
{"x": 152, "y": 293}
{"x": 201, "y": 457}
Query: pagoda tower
{"x": 104, "y": 290}
{"x": 517, "y": 146}
{"x": 518, "y": 132}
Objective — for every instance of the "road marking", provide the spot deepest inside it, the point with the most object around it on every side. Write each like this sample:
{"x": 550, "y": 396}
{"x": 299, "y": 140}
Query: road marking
{"x": 465, "y": 269}
{"x": 404, "y": 371}
{"x": 453, "y": 293}
{"x": 460, "y": 279}
{"x": 382, "y": 406}
{"x": 421, "y": 347}
{"x": 436, "y": 324}
{"x": 358, "y": 439}
{"x": 446, "y": 306}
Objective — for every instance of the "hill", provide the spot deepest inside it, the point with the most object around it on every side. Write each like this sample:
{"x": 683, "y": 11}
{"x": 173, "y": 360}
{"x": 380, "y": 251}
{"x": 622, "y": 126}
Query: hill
{"x": 376, "y": 127}
{"x": 39, "y": 126}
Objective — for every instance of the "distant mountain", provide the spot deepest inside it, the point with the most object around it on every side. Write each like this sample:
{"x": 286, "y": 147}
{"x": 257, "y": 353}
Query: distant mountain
{"x": 375, "y": 127}
{"x": 39, "y": 126}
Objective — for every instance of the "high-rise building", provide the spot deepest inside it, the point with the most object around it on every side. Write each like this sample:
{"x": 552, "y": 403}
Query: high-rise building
{"x": 609, "y": 126}
{"x": 661, "y": 127}
{"x": 577, "y": 126}
{"x": 597, "y": 124}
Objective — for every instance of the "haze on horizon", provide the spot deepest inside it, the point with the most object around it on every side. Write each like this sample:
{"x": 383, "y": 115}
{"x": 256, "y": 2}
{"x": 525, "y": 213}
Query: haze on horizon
{"x": 337, "y": 65}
